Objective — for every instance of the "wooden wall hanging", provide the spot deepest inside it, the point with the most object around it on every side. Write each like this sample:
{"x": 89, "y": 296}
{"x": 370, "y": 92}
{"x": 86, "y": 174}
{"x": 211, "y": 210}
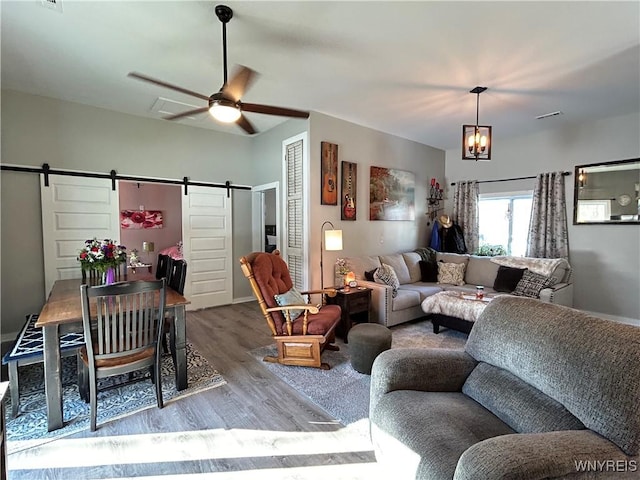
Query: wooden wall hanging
{"x": 349, "y": 190}
{"x": 329, "y": 173}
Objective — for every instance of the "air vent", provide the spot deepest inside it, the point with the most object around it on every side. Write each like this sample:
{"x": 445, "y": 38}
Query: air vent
{"x": 52, "y": 5}
{"x": 166, "y": 106}
{"x": 547, "y": 115}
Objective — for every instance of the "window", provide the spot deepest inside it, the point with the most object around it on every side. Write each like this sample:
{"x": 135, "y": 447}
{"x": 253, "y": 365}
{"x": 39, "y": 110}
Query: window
{"x": 504, "y": 220}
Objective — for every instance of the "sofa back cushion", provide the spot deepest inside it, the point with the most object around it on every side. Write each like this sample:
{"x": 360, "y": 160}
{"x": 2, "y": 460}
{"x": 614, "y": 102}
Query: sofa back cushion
{"x": 396, "y": 261}
{"x": 481, "y": 271}
{"x": 521, "y": 406}
{"x": 359, "y": 265}
{"x": 452, "y": 257}
{"x": 412, "y": 259}
{"x": 587, "y": 364}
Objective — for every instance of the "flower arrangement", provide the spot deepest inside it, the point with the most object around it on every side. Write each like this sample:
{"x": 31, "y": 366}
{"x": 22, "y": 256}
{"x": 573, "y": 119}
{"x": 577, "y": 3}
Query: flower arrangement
{"x": 101, "y": 255}
{"x": 341, "y": 266}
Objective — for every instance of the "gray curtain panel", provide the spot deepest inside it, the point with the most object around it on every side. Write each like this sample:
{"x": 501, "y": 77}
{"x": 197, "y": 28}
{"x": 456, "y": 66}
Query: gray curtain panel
{"x": 548, "y": 234}
{"x": 465, "y": 212}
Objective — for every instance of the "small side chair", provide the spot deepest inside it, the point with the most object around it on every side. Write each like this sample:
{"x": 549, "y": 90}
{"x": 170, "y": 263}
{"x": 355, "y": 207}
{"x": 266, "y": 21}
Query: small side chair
{"x": 122, "y": 325}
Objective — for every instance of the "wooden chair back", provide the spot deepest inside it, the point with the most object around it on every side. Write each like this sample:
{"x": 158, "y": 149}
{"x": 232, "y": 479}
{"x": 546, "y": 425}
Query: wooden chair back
{"x": 266, "y": 285}
{"x": 177, "y": 275}
{"x": 121, "y": 319}
{"x": 163, "y": 266}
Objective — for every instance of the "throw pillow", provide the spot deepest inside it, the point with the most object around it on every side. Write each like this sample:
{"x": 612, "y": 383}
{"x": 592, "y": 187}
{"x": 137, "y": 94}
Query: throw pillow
{"x": 428, "y": 271}
{"x": 387, "y": 276}
{"x": 531, "y": 284}
{"x": 507, "y": 278}
{"x": 369, "y": 275}
{"x": 452, "y": 273}
{"x": 292, "y": 297}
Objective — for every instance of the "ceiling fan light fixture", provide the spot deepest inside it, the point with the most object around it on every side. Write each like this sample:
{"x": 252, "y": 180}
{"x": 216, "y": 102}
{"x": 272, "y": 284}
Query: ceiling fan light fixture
{"x": 224, "y": 111}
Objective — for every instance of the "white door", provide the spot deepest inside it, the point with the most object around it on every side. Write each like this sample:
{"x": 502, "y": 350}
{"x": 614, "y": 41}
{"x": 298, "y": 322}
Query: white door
{"x": 74, "y": 209}
{"x": 206, "y": 237}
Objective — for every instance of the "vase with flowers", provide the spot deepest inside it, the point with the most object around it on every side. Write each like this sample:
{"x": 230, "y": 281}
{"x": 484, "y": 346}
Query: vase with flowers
{"x": 341, "y": 270}
{"x": 102, "y": 257}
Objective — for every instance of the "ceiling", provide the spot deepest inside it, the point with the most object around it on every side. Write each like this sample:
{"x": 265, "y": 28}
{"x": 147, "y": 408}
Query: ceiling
{"x": 404, "y": 68}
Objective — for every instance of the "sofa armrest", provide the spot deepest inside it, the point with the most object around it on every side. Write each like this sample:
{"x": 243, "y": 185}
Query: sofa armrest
{"x": 536, "y": 456}
{"x": 381, "y": 301}
{"x": 429, "y": 370}
{"x": 560, "y": 294}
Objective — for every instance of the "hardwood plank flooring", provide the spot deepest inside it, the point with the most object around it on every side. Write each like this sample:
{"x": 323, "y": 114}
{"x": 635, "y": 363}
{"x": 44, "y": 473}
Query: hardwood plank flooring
{"x": 255, "y": 426}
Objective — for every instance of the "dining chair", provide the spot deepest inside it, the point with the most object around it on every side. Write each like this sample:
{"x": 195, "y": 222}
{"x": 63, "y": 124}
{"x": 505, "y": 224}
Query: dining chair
{"x": 176, "y": 277}
{"x": 122, "y": 331}
{"x": 163, "y": 267}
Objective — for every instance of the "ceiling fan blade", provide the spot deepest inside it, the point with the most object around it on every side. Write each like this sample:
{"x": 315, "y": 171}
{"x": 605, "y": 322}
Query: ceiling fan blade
{"x": 186, "y": 114}
{"x": 239, "y": 83}
{"x": 245, "y": 125}
{"x": 144, "y": 78}
{"x": 269, "y": 110}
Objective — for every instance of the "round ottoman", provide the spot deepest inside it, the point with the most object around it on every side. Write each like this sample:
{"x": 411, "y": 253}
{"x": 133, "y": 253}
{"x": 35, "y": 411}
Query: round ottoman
{"x": 366, "y": 342}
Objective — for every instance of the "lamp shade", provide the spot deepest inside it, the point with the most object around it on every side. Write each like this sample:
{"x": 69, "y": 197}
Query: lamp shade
{"x": 333, "y": 240}
{"x": 148, "y": 247}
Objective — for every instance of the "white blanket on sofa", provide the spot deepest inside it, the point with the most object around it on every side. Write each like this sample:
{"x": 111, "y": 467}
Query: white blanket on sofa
{"x": 542, "y": 266}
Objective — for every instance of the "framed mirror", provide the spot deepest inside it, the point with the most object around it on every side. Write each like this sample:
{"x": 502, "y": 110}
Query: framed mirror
{"x": 607, "y": 193}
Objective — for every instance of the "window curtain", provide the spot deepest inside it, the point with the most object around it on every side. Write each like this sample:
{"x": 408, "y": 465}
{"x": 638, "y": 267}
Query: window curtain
{"x": 548, "y": 233}
{"x": 465, "y": 212}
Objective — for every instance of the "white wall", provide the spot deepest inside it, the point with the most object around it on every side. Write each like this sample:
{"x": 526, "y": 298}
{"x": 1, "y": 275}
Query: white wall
{"x": 605, "y": 258}
{"x": 37, "y": 130}
{"x": 367, "y": 148}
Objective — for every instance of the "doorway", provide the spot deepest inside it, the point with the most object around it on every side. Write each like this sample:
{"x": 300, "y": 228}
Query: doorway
{"x": 265, "y": 211}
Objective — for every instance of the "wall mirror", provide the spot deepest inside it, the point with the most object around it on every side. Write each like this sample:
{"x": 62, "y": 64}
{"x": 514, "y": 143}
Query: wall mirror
{"x": 607, "y": 192}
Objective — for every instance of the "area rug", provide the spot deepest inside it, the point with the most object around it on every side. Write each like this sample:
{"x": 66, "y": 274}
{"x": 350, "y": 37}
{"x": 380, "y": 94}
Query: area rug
{"x": 341, "y": 391}
{"x": 29, "y": 428}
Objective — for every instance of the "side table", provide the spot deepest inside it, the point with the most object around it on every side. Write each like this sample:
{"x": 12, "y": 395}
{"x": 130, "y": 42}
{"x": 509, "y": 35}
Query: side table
{"x": 355, "y": 304}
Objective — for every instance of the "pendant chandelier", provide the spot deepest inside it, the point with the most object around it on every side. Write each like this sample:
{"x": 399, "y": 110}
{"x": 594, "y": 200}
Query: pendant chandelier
{"x": 476, "y": 139}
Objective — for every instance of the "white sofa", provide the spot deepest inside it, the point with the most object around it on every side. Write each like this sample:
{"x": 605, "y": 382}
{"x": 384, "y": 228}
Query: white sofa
{"x": 406, "y": 305}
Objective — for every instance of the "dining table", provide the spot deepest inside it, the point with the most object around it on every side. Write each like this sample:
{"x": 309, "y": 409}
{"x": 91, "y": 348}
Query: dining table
{"x": 62, "y": 313}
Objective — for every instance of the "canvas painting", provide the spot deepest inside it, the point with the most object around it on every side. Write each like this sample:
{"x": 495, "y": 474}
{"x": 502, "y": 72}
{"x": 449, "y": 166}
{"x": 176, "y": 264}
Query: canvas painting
{"x": 138, "y": 219}
{"x": 329, "y": 173}
{"x": 391, "y": 194}
{"x": 349, "y": 190}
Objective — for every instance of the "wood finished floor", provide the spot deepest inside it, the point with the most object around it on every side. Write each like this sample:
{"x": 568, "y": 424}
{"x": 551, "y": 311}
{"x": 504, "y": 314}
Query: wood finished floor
{"x": 256, "y": 426}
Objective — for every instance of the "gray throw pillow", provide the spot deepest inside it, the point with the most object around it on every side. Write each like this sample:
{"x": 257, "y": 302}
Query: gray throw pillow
{"x": 531, "y": 284}
{"x": 387, "y": 276}
{"x": 292, "y": 297}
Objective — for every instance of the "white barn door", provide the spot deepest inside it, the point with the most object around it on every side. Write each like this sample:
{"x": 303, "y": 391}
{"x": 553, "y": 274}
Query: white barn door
{"x": 206, "y": 235}
{"x": 74, "y": 209}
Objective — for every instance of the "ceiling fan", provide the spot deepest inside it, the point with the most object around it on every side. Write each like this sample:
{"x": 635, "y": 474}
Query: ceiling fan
{"x": 225, "y": 105}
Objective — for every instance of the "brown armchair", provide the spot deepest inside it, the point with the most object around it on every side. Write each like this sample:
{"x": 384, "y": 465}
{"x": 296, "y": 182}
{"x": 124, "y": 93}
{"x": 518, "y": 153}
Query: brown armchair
{"x": 300, "y": 341}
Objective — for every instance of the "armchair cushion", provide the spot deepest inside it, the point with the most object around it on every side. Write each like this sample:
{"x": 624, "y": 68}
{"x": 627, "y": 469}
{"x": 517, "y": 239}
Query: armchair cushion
{"x": 291, "y": 297}
{"x": 444, "y": 424}
{"x": 319, "y": 323}
{"x": 518, "y": 404}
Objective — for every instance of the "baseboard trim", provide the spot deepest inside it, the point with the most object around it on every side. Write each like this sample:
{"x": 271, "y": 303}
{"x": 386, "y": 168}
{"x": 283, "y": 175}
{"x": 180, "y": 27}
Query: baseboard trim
{"x": 616, "y": 318}
{"x": 243, "y": 300}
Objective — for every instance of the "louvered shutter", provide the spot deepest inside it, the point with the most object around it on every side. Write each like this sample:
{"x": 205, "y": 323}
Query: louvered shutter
{"x": 295, "y": 224}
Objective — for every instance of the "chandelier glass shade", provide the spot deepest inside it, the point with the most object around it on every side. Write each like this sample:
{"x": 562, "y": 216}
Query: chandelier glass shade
{"x": 476, "y": 139}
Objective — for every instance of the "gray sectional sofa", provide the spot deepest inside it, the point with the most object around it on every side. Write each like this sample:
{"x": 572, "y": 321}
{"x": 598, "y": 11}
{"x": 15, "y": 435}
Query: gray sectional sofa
{"x": 406, "y": 305}
{"x": 539, "y": 391}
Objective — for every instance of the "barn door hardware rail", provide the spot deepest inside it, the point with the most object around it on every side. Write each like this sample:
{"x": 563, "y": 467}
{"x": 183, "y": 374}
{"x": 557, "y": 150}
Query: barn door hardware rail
{"x": 46, "y": 170}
